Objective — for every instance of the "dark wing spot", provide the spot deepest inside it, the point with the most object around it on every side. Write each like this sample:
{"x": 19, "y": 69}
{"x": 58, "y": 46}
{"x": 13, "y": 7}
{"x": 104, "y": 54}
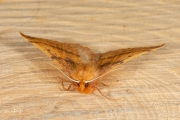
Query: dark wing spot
{"x": 104, "y": 65}
{"x": 56, "y": 58}
{"x": 110, "y": 64}
{"x": 69, "y": 61}
{"x": 113, "y": 56}
{"x": 118, "y": 62}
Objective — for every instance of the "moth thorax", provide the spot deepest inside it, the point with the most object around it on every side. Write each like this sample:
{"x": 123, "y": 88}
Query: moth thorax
{"x": 84, "y": 73}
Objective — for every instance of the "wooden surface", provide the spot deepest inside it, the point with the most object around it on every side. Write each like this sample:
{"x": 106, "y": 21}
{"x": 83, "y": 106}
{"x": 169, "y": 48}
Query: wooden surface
{"x": 149, "y": 85}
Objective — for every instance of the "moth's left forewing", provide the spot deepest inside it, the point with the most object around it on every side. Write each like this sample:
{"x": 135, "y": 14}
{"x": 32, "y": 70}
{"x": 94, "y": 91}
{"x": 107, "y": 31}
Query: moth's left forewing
{"x": 68, "y": 56}
{"x": 112, "y": 59}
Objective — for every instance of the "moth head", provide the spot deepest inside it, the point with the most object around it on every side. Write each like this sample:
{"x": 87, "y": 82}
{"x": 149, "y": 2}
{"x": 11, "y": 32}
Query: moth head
{"x": 84, "y": 87}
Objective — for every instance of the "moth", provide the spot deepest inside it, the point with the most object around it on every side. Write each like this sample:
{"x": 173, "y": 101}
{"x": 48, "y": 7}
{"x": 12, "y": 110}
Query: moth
{"x": 81, "y": 65}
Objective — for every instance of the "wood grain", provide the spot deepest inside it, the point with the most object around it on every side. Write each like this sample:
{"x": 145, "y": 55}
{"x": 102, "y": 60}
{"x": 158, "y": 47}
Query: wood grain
{"x": 149, "y": 86}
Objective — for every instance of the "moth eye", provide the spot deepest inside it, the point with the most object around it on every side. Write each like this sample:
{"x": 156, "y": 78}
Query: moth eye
{"x": 86, "y": 84}
{"x": 78, "y": 84}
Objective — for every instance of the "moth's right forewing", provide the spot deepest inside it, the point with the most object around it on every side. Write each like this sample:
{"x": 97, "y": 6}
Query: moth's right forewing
{"x": 111, "y": 59}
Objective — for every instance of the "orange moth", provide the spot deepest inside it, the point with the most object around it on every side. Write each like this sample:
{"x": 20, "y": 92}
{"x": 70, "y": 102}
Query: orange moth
{"x": 82, "y": 66}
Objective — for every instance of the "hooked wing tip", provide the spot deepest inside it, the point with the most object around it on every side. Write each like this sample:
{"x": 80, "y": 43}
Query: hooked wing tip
{"x": 162, "y": 44}
{"x": 29, "y": 38}
{"x": 159, "y": 46}
{"x": 21, "y": 34}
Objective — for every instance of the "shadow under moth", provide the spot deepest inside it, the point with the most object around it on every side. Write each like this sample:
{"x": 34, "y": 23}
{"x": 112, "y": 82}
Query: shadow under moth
{"x": 82, "y": 66}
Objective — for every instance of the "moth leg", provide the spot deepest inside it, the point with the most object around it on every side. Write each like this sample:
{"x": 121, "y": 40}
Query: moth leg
{"x": 107, "y": 96}
{"x": 104, "y": 84}
{"x": 66, "y": 89}
{"x": 103, "y": 94}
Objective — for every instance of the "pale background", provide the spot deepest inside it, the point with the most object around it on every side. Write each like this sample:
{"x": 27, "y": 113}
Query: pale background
{"x": 149, "y": 85}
